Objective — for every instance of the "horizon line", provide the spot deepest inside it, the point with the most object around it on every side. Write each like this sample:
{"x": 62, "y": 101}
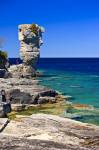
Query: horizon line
{"x": 59, "y": 57}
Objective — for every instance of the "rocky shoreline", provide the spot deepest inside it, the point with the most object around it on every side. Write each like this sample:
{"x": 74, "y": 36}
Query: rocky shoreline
{"x": 24, "y": 92}
{"x": 42, "y": 131}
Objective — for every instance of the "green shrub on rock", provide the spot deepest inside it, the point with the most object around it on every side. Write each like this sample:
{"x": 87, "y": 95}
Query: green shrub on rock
{"x": 34, "y": 29}
{"x": 3, "y": 55}
{"x": 3, "y": 58}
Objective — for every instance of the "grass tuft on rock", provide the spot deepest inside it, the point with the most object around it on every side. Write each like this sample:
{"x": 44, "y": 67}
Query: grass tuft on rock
{"x": 34, "y": 29}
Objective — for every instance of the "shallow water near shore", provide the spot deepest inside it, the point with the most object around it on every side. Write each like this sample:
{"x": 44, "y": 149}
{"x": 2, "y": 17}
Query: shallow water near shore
{"x": 78, "y": 78}
{"x": 82, "y": 87}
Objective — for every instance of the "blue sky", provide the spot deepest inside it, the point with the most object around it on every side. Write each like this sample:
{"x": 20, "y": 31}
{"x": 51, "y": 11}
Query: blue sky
{"x": 72, "y": 26}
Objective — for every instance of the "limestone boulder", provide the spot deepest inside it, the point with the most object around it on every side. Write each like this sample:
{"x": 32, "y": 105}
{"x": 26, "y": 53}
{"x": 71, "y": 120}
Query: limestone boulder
{"x": 19, "y": 97}
{"x": 46, "y": 99}
{"x": 5, "y": 108}
{"x": 21, "y": 70}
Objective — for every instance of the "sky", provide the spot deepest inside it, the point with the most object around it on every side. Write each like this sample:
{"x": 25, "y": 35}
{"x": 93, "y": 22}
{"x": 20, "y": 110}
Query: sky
{"x": 71, "y": 26}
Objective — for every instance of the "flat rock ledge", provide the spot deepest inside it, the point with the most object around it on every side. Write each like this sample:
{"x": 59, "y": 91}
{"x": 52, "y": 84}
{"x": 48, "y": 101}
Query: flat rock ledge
{"x": 26, "y": 91}
{"x": 48, "y": 132}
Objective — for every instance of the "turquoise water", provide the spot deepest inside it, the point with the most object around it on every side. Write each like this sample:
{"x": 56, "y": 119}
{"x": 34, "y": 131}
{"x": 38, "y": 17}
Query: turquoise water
{"x": 83, "y": 87}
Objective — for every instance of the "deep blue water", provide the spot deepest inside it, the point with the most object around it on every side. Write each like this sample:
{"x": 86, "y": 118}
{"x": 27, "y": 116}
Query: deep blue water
{"x": 82, "y": 65}
{"x": 78, "y": 77}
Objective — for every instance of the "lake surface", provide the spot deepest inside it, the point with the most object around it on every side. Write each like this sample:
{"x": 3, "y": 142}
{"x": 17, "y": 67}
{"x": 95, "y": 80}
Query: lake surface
{"x": 78, "y": 77}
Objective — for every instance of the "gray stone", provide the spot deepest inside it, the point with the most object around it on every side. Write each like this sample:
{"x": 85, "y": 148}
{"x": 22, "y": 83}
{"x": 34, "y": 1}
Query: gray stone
{"x": 7, "y": 143}
{"x": 49, "y": 132}
{"x": 18, "y": 97}
{"x": 4, "y": 73}
{"x": 25, "y": 91}
{"x": 46, "y": 99}
{"x": 5, "y": 108}
{"x": 21, "y": 70}
{"x": 18, "y": 107}
{"x": 50, "y": 92}
{"x": 2, "y": 113}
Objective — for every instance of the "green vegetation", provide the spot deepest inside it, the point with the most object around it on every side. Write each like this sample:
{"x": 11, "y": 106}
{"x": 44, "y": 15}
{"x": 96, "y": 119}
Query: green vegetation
{"x": 34, "y": 29}
{"x": 3, "y": 58}
{"x": 3, "y": 55}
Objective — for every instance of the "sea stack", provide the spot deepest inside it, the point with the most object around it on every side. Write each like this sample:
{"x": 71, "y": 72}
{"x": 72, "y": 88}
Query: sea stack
{"x": 30, "y": 37}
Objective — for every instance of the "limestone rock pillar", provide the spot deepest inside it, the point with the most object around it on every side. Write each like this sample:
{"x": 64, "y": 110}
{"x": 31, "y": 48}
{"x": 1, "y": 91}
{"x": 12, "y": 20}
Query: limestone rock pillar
{"x": 30, "y": 37}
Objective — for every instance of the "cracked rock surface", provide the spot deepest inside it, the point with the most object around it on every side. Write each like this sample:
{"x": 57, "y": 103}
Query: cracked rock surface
{"x": 50, "y": 132}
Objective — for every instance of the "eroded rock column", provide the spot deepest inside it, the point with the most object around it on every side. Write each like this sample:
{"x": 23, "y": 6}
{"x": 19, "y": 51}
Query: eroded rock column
{"x": 30, "y": 37}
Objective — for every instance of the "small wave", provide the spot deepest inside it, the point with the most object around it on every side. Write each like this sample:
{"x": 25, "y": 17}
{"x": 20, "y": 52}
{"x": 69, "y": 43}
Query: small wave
{"x": 94, "y": 76}
{"x": 54, "y": 77}
{"x": 75, "y": 86}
